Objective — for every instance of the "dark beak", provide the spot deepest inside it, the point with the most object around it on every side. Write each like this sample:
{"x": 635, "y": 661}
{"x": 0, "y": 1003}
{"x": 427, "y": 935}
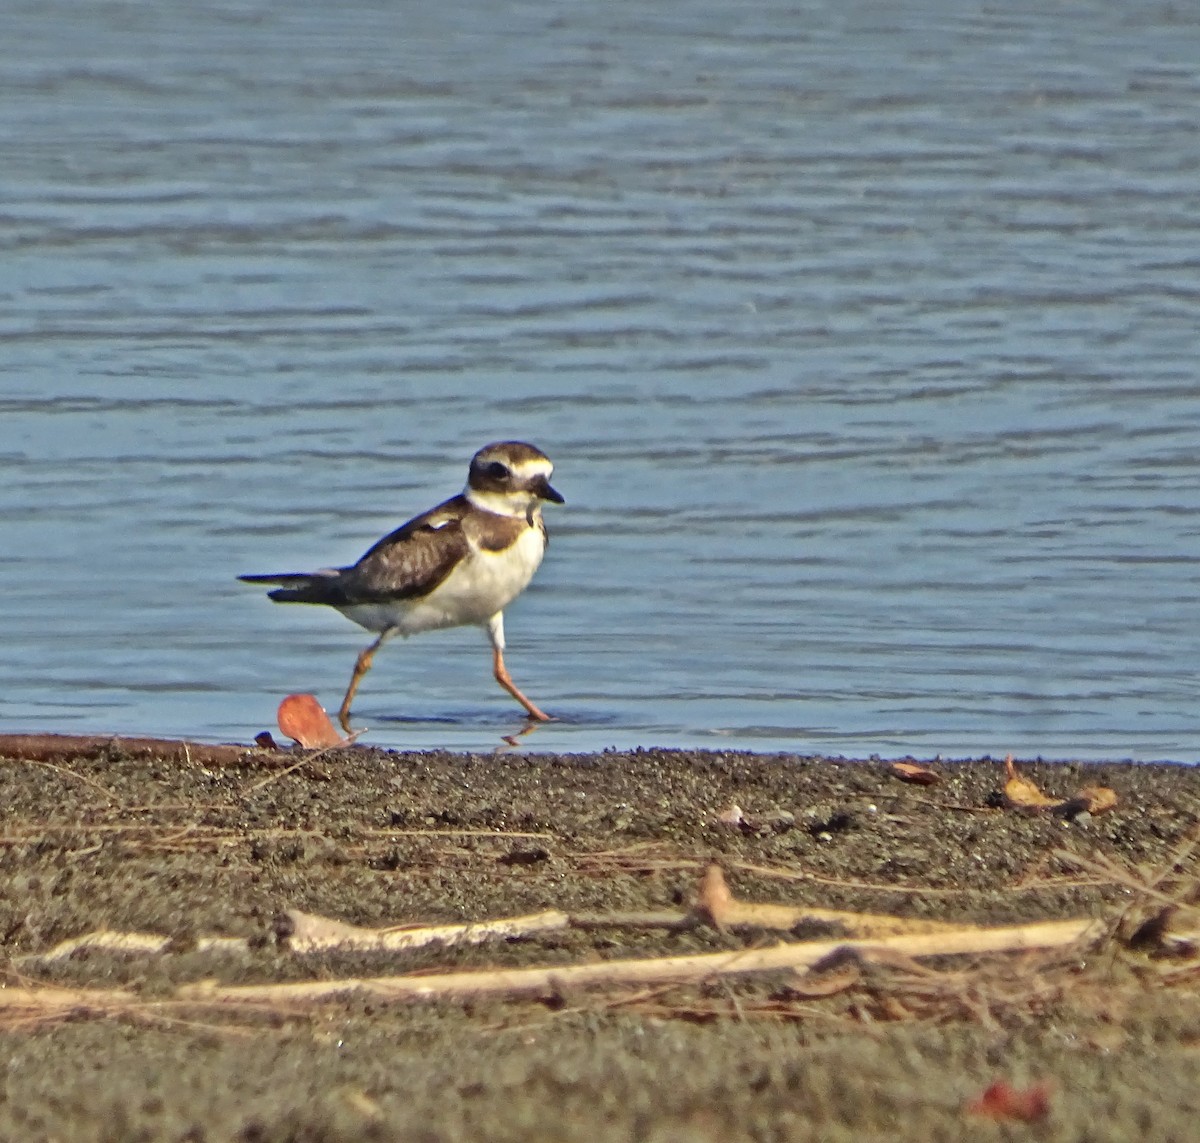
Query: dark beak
{"x": 543, "y": 489}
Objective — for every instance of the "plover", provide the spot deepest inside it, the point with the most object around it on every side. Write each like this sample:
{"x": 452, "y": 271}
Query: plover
{"x": 459, "y": 564}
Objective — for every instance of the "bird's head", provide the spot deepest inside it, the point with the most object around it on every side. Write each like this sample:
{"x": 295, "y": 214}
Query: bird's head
{"x": 511, "y": 478}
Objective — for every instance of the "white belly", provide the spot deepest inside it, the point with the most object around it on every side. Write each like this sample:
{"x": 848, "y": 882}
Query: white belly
{"x": 480, "y": 586}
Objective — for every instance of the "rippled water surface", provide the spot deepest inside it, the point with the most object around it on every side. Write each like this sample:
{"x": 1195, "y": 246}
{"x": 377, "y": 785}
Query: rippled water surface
{"x": 864, "y": 338}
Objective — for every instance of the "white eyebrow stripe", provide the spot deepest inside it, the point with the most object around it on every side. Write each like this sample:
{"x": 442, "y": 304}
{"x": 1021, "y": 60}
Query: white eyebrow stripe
{"x": 537, "y": 467}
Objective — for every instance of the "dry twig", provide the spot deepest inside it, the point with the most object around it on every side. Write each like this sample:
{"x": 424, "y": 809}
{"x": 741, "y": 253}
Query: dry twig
{"x": 50, "y": 747}
{"x": 548, "y": 981}
{"x": 719, "y": 906}
{"x": 308, "y": 933}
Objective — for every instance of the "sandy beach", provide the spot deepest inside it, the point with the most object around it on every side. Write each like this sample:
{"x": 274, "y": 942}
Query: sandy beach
{"x": 211, "y": 858}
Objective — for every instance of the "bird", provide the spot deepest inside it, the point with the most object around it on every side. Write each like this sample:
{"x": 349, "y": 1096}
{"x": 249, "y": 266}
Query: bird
{"x": 459, "y": 564}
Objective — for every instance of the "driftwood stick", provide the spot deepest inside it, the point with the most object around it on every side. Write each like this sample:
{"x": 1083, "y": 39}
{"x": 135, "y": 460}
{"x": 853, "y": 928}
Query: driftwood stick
{"x": 308, "y": 932}
{"x": 719, "y": 906}
{"x": 650, "y": 919}
{"x": 147, "y": 944}
{"x": 550, "y": 980}
{"x": 55, "y": 747}
{"x": 41, "y": 1000}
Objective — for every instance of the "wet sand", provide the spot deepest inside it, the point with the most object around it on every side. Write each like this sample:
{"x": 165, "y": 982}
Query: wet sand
{"x": 196, "y": 846}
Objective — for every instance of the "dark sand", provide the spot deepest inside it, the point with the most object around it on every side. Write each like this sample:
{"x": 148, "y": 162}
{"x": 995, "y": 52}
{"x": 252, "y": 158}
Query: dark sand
{"x": 111, "y": 841}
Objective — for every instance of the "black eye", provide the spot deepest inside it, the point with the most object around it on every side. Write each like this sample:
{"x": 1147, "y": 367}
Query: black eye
{"x": 497, "y": 471}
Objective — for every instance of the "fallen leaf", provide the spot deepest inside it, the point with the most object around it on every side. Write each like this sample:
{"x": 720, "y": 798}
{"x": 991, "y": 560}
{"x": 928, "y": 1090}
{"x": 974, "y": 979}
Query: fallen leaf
{"x": 734, "y": 816}
{"x": 917, "y": 775}
{"x": 304, "y": 720}
{"x": 1003, "y": 1101}
{"x": 1023, "y": 793}
{"x": 1097, "y": 799}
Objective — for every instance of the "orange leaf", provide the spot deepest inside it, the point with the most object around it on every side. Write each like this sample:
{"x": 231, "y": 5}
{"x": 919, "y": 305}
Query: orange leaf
{"x": 1023, "y": 793}
{"x": 304, "y": 720}
{"x": 1097, "y": 799}
{"x": 1003, "y": 1101}
{"x": 917, "y": 775}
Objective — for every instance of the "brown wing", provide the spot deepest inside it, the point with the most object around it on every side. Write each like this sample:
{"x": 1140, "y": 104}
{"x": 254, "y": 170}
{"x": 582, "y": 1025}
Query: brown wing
{"x": 412, "y": 560}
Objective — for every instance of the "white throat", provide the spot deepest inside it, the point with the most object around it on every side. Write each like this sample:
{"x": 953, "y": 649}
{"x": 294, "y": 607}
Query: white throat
{"x": 518, "y": 505}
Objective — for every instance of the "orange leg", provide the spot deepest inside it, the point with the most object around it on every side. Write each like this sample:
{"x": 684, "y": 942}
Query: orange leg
{"x": 361, "y": 666}
{"x": 502, "y": 677}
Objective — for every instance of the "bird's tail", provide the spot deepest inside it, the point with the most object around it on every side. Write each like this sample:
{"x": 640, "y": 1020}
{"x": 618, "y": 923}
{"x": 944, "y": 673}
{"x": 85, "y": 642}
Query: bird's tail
{"x": 300, "y": 587}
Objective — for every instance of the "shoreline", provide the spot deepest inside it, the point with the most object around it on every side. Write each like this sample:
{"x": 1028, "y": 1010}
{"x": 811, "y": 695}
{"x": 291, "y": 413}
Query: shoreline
{"x": 50, "y": 744}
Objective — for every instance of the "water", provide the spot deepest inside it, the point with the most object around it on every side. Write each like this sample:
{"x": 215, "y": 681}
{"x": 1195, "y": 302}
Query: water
{"x": 864, "y": 338}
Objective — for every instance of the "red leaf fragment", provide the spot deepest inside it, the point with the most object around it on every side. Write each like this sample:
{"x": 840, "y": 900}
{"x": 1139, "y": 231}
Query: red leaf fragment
{"x": 917, "y": 775}
{"x": 1003, "y": 1101}
{"x": 304, "y": 720}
